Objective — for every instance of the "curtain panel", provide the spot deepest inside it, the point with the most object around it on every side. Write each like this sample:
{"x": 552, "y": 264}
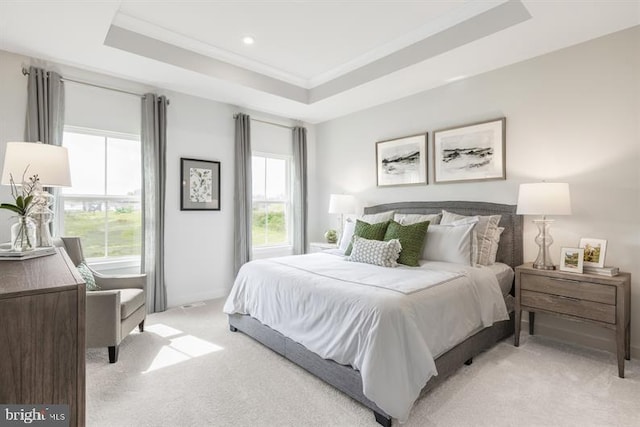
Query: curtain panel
{"x": 242, "y": 194}
{"x": 299, "y": 190}
{"x": 154, "y": 166}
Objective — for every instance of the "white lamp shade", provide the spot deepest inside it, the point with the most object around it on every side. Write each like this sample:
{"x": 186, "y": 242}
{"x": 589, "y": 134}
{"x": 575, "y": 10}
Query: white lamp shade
{"x": 342, "y": 204}
{"x": 49, "y": 162}
{"x": 544, "y": 198}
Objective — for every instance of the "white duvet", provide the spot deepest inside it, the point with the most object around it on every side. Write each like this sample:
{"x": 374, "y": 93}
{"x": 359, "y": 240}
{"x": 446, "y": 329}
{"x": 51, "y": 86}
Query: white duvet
{"x": 389, "y": 323}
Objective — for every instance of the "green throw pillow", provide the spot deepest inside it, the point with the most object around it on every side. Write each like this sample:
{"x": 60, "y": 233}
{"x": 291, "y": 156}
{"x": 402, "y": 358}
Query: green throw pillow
{"x": 87, "y": 275}
{"x": 411, "y": 238}
{"x": 368, "y": 231}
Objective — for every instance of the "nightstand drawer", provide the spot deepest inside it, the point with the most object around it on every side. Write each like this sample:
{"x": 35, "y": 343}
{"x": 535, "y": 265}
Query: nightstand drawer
{"x": 569, "y": 288}
{"x": 568, "y": 305}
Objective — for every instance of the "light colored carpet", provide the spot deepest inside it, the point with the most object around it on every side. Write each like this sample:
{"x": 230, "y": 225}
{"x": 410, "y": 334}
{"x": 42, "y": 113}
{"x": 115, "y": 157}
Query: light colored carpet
{"x": 187, "y": 369}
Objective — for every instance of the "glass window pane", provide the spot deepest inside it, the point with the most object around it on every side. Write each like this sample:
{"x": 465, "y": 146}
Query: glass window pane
{"x": 123, "y": 167}
{"x": 124, "y": 228}
{"x": 258, "y": 177}
{"x": 276, "y": 224}
{"x": 259, "y": 224}
{"x": 276, "y": 179}
{"x": 86, "y": 219}
{"x": 86, "y": 161}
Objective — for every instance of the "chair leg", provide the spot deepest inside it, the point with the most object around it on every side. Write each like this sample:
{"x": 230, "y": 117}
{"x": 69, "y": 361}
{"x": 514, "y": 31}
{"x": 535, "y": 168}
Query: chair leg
{"x": 113, "y": 353}
{"x": 141, "y": 326}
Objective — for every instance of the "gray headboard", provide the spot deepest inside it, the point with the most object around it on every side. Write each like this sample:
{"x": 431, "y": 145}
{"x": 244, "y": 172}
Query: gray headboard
{"x": 510, "y": 249}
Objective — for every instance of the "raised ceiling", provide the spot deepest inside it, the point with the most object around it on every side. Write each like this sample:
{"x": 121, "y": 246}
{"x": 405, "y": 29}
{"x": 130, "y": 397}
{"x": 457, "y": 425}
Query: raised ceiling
{"x": 311, "y": 60}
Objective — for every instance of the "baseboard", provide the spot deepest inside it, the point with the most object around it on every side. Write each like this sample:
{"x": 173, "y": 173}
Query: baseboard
{"x": 203, "y": 296}
{"x": 575, "y": 332}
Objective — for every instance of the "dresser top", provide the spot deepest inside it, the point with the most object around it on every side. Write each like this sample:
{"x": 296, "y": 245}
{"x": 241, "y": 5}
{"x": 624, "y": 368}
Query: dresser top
{"x": 621, "y": 278}
{"x": 38, "y": 275}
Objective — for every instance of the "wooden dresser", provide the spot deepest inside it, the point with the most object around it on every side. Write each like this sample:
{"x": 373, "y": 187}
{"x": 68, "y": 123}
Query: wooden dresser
{"x": 600, "y": 300}
{"x": 42, "y": 334}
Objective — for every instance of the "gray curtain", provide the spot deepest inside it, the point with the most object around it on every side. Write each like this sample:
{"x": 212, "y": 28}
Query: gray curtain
{"x": 299, "y": 190}
{"x": 242, "y": 195}
{"x": 154, "y": 166}
{"x": 45, "y": 107}
{"x": 45, "y": 116}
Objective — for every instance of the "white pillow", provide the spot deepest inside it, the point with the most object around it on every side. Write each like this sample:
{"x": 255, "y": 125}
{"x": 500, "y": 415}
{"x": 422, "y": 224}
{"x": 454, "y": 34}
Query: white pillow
{"x": 409, "y": 219}
{"x": 375, "y": 252}
{"x": 494, "y": 246}
{"x": 449, "y": 243}
{"x": 474, "y": 236}
{"x": 377, "y": 218}
{"x": 347, "y": 233}
{"x": 485, "y": 230}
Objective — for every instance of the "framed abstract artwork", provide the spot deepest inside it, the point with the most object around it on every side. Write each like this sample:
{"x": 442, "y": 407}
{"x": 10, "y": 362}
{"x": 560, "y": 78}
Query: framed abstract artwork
{"x": 200, "y": 185}
{"x": 474, "y": 152}
{"x": 402, "y": 161}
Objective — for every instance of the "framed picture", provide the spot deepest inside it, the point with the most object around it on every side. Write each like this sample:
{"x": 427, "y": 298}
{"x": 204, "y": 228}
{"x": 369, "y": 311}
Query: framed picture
{"x": 572, "y": 259}
{"x": 200, "y": 185}
{"x": 402, "y": 161}
{"x": 474, "y": 152}
{"x": 594, "y": 251}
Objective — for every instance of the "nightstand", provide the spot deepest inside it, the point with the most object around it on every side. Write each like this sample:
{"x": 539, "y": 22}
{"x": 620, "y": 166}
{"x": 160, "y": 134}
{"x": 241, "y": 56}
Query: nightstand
{"x": 601, "y": 300}
{"x": 321, "y": 246}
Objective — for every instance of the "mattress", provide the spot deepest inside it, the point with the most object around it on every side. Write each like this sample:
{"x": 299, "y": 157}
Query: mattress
{"x": 390, "y": 334}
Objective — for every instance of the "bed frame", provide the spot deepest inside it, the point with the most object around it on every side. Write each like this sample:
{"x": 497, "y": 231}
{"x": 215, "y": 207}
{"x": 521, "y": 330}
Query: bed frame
{"x": 347, "y": 379}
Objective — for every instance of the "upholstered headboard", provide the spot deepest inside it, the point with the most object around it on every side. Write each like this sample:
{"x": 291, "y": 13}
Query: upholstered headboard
{"x": 510, "y": 248}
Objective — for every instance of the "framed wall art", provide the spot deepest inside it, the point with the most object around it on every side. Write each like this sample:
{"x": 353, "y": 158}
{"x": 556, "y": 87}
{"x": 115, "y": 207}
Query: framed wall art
{"x": 200, "y": 185}
{"x": 572, "y": 259}
{"x": 594, "y": 251}
{"x": 402, "y": 161}
{"x": 474, "y": 152}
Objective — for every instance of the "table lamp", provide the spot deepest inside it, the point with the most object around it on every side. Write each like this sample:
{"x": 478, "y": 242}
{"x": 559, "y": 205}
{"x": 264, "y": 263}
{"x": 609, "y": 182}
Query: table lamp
{"x": 342, "y": 204}
{"x": 544, "y": 198}
{"x": 51, "y": 164}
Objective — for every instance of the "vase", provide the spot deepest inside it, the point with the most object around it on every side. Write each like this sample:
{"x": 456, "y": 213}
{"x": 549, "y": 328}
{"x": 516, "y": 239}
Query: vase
{"x": 23, "y": 235}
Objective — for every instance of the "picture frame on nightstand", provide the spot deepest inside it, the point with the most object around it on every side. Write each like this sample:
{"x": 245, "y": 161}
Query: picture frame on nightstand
{"x": 572, "y": 260}
{"x": 595, "y": 251}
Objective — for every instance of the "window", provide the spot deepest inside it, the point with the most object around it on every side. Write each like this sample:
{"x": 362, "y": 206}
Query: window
{"x": 271, "y": 183}
{"x": 104, "y": 205}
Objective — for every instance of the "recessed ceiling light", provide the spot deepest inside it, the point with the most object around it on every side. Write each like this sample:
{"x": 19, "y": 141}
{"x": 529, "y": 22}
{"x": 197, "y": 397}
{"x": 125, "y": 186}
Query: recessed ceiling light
{"x": 248, "y": 40}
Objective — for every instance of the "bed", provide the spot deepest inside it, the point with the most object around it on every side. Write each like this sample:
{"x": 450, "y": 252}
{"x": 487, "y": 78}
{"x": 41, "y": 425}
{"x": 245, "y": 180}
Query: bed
{"x": 358, "y": 384}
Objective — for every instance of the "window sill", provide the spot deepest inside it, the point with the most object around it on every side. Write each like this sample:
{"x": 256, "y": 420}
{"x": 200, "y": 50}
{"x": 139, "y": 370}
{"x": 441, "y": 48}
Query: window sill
{"x": 271, "y": 251}
{"x": 116, "y": 265}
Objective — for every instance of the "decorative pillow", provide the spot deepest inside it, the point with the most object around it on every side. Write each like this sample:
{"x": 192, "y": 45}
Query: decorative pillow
{"x": 368, "y": 231}
{"x": 375, "y": 252}
{"x": 87, "y": 276}
{"x": 377, "y": 218}
{"x": 411, "y": 238}
{"x": 347, "y": 234}
{"x": 408, "y": 219}
{"x": 494, "y": 246}
{"x": 449, "y": 243}
{"x": 485, "y": 230}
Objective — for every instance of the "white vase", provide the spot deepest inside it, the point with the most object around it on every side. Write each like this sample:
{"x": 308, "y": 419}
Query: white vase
{"x": 23, "y": 235}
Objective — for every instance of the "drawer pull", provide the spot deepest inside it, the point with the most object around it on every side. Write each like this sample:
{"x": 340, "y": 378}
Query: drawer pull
{"x": 566, "y": 280}
{"x": 568, "y": 298}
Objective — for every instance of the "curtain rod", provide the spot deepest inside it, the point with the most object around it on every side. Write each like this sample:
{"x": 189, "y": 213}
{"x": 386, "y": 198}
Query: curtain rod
{"x": 65, "y": 79}
{"x": 267, "y": 122}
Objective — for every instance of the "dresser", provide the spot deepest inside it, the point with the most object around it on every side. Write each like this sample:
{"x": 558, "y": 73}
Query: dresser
{"x": 42, "y": 334}
{"x": 600, "y": 300}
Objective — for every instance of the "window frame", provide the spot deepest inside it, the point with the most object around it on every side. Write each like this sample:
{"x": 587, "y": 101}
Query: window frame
{"x": 106, "y": 262}
{"x": 288, "y": 201}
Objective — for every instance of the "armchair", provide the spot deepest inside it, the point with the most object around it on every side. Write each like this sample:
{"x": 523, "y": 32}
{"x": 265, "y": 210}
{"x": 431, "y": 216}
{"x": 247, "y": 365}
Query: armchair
{"x": 114, "y": 310}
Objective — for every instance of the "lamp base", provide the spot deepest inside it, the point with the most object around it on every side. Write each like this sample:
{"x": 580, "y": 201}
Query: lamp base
{"x": 544, "y": 240}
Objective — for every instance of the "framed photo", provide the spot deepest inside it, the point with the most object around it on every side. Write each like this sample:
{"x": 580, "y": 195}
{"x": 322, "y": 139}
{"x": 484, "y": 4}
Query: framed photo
{"x": 402, "y": 161}
{"x": 200, "y": 185}
{"x": 572, "y": 259}
{"x": 594, "y": 251}
{"x": 474, "y": 152}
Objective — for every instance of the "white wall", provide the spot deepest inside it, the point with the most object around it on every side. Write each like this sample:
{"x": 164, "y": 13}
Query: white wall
{"x": 572, "y": 116}
{"x": 198, "y": 244}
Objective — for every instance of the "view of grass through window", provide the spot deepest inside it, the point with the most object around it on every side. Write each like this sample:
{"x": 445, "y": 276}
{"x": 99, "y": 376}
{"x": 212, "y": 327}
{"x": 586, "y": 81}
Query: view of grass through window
{"x": 270, "y": 186}
{"x": 103, "y": 207}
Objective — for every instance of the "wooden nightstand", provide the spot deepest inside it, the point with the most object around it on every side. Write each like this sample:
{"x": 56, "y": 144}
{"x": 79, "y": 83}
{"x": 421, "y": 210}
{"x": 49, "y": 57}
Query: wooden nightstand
{"x": 604, "y": 301}
{"x": 321, "y": 246}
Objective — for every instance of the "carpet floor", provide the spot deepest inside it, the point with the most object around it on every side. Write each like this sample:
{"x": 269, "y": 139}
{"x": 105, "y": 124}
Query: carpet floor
{"x": 188, "y": 369}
